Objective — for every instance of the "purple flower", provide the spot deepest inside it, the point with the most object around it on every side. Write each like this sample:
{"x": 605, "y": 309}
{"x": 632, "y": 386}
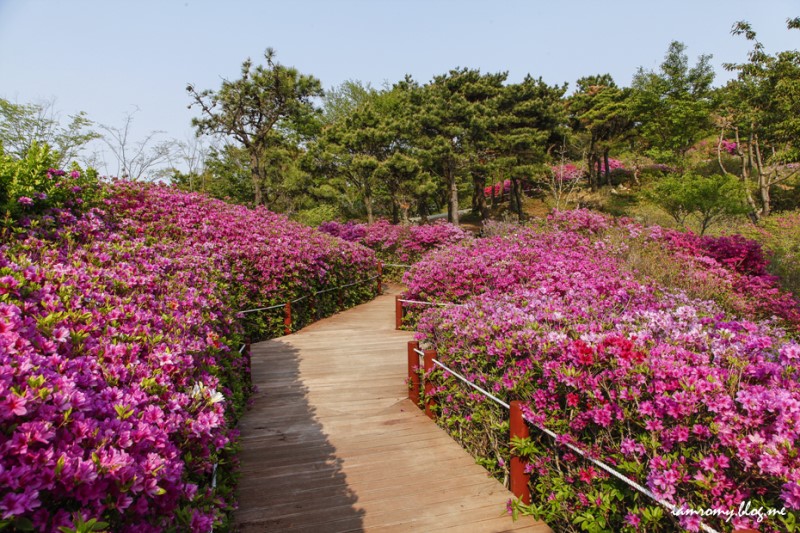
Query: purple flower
{"x": 24, "y": 200}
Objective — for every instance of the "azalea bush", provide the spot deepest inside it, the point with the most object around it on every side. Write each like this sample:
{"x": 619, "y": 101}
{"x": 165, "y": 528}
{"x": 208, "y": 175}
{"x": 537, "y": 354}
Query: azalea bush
{"x": 697, "y": 403}
{"x": 29, "y": 187}
{"x": 120, "y": 330}
{"x": 396, "y": 243}
{"x": 780, "y": 236}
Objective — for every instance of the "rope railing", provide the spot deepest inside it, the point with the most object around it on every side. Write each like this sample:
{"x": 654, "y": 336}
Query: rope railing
{"x": 439, "y": 304}
{"x": 262, "y": 308}
{"x": 519, "y": 480}
{"x": 296, "y": 300}
{"x": 287, "y": 306}
{"x": 399, "y": 313}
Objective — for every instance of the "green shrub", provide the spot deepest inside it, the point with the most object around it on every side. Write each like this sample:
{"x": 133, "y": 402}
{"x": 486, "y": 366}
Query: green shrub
{"x": 317, "y": 215}
{"x": 32, "y": 186}
{"x": 704, "y": 199}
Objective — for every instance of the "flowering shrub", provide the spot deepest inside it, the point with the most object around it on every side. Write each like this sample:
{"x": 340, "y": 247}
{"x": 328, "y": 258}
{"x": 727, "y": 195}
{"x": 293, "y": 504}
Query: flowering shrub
{"x": 350, "y": 231}
{"x": 699, "y": 406}
{"x": 567, "y": 173}
{"x": 780, "y": 236}
{"x": 729, "y": 270}
{"x": 30, "y": 187}
{"x": 395, "y": 243}
{"x": 734, "y": 268}
{"x": 500, "y": 189}
{"x": 504, "y": 188}
{"x": 119, "y": 332}
{"x": 729, "y": 146}
{"x": 614, "y": 164}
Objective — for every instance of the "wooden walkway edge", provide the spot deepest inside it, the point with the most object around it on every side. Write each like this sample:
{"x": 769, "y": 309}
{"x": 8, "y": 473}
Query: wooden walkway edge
{"x": 332, "y": 445}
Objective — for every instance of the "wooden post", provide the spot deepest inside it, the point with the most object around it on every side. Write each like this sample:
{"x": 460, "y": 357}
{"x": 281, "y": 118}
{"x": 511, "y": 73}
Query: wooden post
{"x": 287, "y": 318}
{"x": 430, "y": 403}
{"x": 413, "y": 374}
{"x": 380, "y": 277}
{"x": 398, "y": 312}
{"x": 519, "y": 479}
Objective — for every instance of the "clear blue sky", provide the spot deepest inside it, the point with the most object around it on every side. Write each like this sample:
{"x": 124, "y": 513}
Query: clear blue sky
{"x": 106, "y": 56}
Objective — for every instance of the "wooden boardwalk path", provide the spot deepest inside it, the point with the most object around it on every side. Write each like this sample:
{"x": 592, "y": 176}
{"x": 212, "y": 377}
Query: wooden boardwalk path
{"x": 332, "y": 445}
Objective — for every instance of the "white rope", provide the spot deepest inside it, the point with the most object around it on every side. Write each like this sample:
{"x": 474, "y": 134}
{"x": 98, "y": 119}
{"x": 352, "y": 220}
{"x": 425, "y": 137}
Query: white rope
{"x": 396, "y": 265}
{"x": 426, "y": 303}
{"x": 327, "y": 290}
{"x": 242, "y": 348}
{"x": 263, "y": 308}
{"x": 213, "y": 486}
{"x": 420, "y": 352}
{"x": 465, "y": 380}
{"x": 307, "y": 295}
{"x": 672, "y": 508}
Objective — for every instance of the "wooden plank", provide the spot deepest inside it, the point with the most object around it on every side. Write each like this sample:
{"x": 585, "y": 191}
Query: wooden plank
{"x": 331, "y": 443}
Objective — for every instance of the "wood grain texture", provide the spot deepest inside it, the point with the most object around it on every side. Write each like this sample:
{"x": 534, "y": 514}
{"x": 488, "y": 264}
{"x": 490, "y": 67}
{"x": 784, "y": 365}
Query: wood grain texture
{"x": 331, "y": 444}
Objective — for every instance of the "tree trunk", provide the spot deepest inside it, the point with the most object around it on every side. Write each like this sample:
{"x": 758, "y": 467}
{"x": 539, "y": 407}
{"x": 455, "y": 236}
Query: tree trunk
{"x": 764, "y": 182}
{"x": 516, "y": 197}
{"x": 608, "y": 170}
{"x": 598, "y": 172}
{"x": 422, "y": 208}
{"x": 368, "y": 205}
{"x": 453, "y": 199}
{"x": 255, "y": 175}
{"x": 754, "y": 211}
{"x": 591, "y": 158}
{"x": 479, "y": 197}
{"x": 395, "y": 212}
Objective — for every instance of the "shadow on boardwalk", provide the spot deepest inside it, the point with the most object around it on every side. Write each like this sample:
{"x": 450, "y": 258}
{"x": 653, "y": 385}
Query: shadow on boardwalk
{"x": 289, "y": 468}
{"x": 332, "y": 444}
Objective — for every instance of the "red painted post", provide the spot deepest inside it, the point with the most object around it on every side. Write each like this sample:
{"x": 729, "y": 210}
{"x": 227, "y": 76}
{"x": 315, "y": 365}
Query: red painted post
{"x": 519, "y": 479}
{"x": 287, "y": 318}
{"x": 398, "y": 312}
{"x": 430, "y": 403}
{"x": 380, "y": 277}
{"x": 413, "y": 375}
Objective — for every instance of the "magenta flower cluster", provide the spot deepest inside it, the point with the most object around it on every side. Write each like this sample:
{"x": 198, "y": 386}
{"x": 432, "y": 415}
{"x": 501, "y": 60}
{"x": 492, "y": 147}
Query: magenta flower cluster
{"x": 729, "y": 146}
{"x": 735, "y": 265}
{"x": 700, "y": 406}
{"x": 120, "y": 376}
{"x": 398, "y": 243}
{"x": 568, "y": 173}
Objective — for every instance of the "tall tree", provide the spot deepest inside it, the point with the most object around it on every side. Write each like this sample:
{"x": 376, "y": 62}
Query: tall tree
{"x": 137, "y": 159}
{"x": 761, "y": 108}
{"x": 267, "y": 104}
{"x": 23, "y": 125}
{"x": 531, "y": 122}
{"x": 341, "y": 101}
{"x": 453, "y": 127}
{"x": 672, "y": 107}
{"x": 599, "y": 111}
{"x": 361, "y": 149}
